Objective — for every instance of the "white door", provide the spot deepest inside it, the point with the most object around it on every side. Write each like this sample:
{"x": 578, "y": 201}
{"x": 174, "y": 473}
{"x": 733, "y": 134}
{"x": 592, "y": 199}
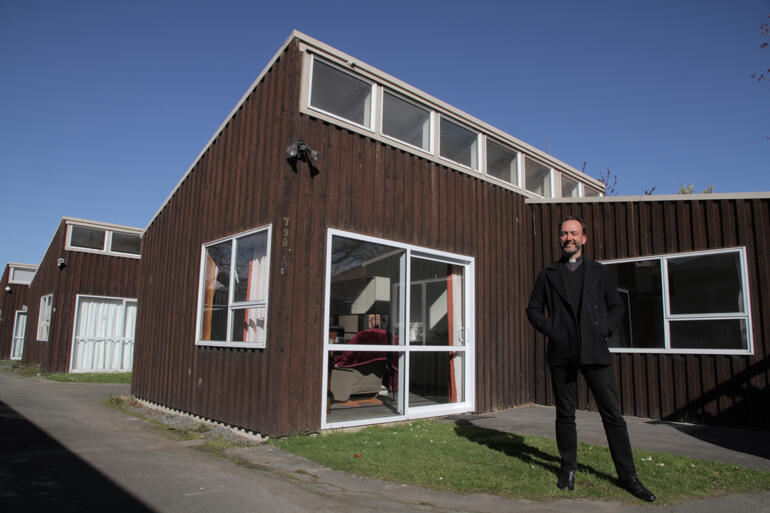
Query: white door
{"x": 19, "y": 326}
{"x": 103, "y": 338}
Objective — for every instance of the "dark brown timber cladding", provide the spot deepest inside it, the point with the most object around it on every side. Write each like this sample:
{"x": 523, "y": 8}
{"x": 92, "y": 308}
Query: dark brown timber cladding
{"x": 713, "y": 389}
{"x": 84, "y": 273}
{"x": 243, "y": 181}
{"x": 10, "y": 302}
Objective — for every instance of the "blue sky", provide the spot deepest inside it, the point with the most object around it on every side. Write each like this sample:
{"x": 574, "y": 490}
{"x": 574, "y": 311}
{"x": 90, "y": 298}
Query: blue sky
{"x": 104, "y": 105}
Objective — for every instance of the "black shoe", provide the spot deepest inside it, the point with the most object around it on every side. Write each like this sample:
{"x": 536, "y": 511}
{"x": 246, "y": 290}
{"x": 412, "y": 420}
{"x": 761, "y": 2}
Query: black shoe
{"x": 637, "y": 489}
{"x": 566, "y": 480}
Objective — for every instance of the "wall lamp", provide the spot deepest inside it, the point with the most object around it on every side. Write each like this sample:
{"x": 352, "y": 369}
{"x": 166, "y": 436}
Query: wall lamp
{"x": 301, "y": 151}
{"x": 61, "y": 263}
{"x": 8, "y": 289}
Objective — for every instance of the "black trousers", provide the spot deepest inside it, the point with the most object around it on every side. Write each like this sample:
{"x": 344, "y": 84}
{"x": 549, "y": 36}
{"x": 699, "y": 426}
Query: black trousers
{"x": 601, "y": 382}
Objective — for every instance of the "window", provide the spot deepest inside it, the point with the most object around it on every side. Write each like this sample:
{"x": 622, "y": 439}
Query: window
{"x": 458, "y": 144}
{"x": 125, "y": 243}
{"x": 569, "y": 187}
{"x": 21, "y": 275}
{"x": 85, "y": 237}
{"x": 501, "y": 162}
{"x": 233, "y": 291}
{"x": 405, "y": 121}
{"x": 684, "y": 303}
{"x": 588, "y": 192}
{"x": 91, "y": 239}
{"x": 44, "y": 317}
{"x": 341, "y": 94}
{"x": 103, "y": 336}
{"x": 399, "y": 321}
{"x": 537, "y": 178}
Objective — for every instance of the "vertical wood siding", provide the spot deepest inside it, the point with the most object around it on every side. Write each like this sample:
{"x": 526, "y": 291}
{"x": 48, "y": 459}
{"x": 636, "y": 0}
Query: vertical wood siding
{"x": 244, "y": 181}
{"x": 713, "y": 389}
{"x": 85, "y": 273}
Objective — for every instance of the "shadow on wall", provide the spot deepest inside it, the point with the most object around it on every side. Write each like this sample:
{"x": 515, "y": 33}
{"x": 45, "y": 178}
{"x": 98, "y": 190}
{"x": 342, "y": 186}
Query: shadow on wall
{"x": 749, "y": 402}
{"x": 37, "y": 473}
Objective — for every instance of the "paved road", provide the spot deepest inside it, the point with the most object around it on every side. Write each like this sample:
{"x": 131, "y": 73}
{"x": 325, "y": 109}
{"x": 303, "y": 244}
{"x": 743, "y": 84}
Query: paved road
{"x": 61, "y": 451}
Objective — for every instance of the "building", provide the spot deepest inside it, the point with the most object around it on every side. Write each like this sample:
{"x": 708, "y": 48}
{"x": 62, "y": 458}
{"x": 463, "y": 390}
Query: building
{"x": 13, "y": 308}
{"x": 82, "y": 302}
{"x": 349, "y": 250}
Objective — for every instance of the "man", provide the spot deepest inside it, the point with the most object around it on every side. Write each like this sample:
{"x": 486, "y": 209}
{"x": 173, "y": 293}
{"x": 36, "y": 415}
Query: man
{"x": 575, "y": 303}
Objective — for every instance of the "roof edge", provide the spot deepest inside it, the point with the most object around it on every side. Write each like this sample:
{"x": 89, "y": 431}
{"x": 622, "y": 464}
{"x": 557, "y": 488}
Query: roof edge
{"x": 101, "y": 224}
{"x": 656, "y": 197}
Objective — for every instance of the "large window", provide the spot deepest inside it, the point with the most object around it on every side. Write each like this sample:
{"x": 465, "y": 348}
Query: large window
{"x": 684, "y": 303}
{"x": 341, "y": 94}
{"x": 398, "y": 328}
{"x": 21, "y": 275}
{"x": 103, "y": 240}
{"x": 569, "y": 187}
{"x": 233, "y": 291}
{"x": 103, "y": 336}
{"x": 44, "y": 317}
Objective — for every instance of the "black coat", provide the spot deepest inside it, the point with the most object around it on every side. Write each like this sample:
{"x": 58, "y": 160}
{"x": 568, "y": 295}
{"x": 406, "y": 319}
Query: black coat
{"x": 551, "y": 313}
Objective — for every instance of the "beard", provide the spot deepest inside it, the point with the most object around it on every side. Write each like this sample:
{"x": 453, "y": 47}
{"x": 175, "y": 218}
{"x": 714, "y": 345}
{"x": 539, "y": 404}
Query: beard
{"x": 573, "y": 249}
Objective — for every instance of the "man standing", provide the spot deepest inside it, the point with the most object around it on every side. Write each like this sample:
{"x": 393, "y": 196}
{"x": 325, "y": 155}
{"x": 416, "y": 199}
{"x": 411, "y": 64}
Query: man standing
{"x": 575, "y": 303}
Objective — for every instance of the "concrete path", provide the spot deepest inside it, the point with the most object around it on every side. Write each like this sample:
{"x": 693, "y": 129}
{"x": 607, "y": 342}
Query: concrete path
{"x": 60, "y": 450}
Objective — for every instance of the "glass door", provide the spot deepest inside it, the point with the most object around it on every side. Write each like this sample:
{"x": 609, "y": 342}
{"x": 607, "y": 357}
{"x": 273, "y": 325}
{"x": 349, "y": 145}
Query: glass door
{"x": 396, "y": 332}
{"x": 19, "y": 327}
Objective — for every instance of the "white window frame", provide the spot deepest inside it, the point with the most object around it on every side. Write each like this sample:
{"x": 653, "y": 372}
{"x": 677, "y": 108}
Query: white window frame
{"x": 518, "y": 158}
{"x": 73, "y": 345}
{"x": 431, "y": 121}
{"x": 372, "y": 98}
{"x": 44, "y": 315}
{"x": 11, "y": 274}
{"x": 469, "y": 334}
{"x": 668, "y": 317}
{"x": 106, "y": 247}
{"x": 230, "y": 304}
{"x": 464, "y": 126}
{"x": 549, "y": 178}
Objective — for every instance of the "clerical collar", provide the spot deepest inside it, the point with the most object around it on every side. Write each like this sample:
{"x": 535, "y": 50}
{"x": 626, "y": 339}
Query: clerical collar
{"x": 573, "y": 263}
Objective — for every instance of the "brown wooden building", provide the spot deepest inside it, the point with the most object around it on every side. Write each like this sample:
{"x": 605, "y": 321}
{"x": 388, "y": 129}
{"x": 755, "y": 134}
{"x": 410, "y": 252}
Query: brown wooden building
{"x": 350, "y": 250}
{"x": 82, "y": 302}
{"x": 13, "y": 308}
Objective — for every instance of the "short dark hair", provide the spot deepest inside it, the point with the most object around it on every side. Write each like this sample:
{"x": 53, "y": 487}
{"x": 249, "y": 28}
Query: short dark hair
{"x": 573, "y": 218}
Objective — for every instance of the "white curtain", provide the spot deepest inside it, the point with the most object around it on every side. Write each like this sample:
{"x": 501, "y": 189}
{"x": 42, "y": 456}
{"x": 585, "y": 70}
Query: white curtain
{"x": 104, "y": 335}
{"x": 255, "y": 317}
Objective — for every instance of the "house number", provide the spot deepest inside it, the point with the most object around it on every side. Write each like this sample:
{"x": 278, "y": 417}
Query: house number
{"x": 285, "y": 244}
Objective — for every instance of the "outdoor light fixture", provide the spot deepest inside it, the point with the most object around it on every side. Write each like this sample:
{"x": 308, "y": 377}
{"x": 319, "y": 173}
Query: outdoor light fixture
{"x": 61, "y": 263}
{"x": 8, "y": 289}
{"x": 301, "y": 151}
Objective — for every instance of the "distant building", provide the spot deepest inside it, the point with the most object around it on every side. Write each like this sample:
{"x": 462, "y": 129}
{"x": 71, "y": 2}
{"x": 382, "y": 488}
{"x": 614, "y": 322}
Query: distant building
{"x": 349, "y": 250}
{"x": 13, "y": 308}
{"x": 82, "y": 301}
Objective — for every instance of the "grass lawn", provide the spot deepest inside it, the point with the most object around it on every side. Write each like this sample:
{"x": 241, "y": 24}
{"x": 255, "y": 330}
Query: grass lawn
{"x": 463, "y": 458}
{"x": 77, "y": 377}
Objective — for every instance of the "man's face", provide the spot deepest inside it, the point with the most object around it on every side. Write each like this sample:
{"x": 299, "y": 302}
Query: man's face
{"x": 572, "y": 239}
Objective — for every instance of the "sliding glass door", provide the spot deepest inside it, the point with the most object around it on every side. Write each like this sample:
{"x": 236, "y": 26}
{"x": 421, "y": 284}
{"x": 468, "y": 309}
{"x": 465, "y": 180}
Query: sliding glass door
{"x": 397, "y": 332}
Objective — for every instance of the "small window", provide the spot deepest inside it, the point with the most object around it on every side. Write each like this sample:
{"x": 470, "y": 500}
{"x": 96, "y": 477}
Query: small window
{"x": 341, "y": 94}
{"x": 85, "y": 237}
{"x": 233, "y": 291}
{"x": 405, "y": 121}
{"x": 459, "y": 144}
{"x": 588, "y": 192}
{"x": 501, "y": 163}
{"x": 699, "y": 305}
{"x": 569, "y": 187}
{"x": 126, "y": 243}
{"x": 538, "y": 178}
{"x": 19, "y": 275}
{"x": 44, "y": 317}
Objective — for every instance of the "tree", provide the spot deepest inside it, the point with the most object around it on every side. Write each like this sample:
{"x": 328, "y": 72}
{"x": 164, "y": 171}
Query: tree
{"x": 690, "y": 189}
{"x": 765, "y": 28}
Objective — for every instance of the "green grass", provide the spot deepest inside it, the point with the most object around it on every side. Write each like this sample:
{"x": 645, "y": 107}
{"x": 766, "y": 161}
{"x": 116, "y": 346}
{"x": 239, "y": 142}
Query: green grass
{"x": 28, "y": 370}
{"x": 463, "y": 458}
